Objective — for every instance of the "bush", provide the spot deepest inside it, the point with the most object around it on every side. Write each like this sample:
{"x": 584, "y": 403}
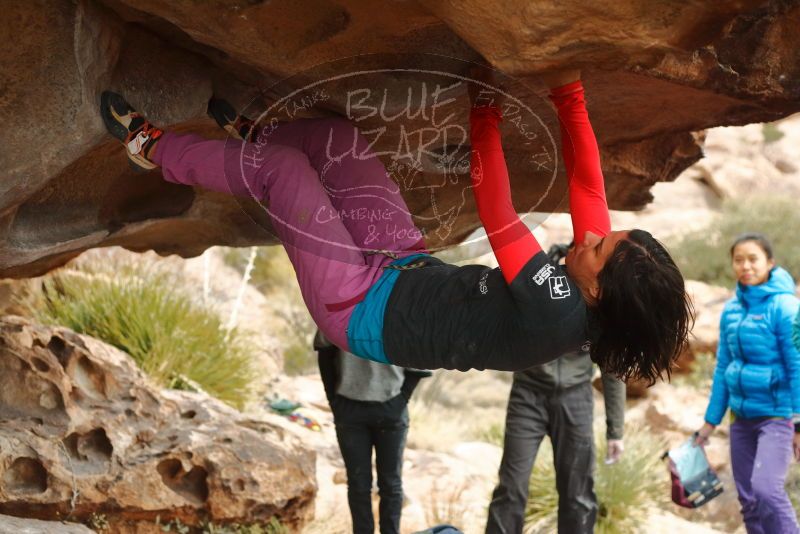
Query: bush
{"x": 771, "y": 132}
{"x": 446, "y": 503}
{"x": 274, "y": 526}
{"x": 705, "y": 255}
{"x": 495, "y": 434}
{"x": 299, "y": 359}
{"x": 142, "y": 312}
{"x": 625, "y": 491}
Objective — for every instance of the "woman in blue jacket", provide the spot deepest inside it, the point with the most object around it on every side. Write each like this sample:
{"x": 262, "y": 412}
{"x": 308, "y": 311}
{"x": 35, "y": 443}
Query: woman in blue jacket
{"x": 758, "y": 378}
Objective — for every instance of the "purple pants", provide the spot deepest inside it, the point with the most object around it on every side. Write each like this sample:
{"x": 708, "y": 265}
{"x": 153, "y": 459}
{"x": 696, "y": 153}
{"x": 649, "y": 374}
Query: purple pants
{"x": 329, "y": 199}
{"x": 761, "y": 451}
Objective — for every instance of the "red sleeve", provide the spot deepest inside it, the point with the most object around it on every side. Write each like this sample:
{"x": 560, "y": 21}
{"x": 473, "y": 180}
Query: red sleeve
{"x": 587, "y": 196}
{"x": 512, "y": 242}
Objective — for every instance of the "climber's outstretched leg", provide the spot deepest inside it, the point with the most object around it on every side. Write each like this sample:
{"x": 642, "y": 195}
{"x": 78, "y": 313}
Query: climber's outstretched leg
{"x": 330, "y": 267}
{"x": 367, "y": 200}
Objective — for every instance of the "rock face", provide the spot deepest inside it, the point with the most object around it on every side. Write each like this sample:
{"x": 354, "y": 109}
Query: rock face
{"x": 654, "y": 73}
{"x": 82, "y": 433}
{"x": 34, "y": 526}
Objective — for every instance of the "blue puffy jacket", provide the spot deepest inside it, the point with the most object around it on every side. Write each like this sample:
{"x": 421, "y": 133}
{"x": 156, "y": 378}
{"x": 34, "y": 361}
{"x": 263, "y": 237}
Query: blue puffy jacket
{"x": 758, "y": 365}
{"x": 796, "y": 333}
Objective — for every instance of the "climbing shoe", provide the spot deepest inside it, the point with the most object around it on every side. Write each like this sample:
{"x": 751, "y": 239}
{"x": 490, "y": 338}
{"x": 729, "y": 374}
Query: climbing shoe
{"x": 226, "y": 117}
{"x": 130, "y": 127}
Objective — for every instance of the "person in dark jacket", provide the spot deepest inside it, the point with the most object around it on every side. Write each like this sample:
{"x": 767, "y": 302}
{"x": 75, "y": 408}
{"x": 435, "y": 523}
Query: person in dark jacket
{"x": 758, "y": 377}
{"x": 555, "y": 400}
{"x": 369, "y": 404}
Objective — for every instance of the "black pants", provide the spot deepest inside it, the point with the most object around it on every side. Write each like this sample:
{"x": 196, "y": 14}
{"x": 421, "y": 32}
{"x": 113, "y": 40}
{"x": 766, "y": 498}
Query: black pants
{"x": 566, "y": 416}
{"x": 360, "y": 426}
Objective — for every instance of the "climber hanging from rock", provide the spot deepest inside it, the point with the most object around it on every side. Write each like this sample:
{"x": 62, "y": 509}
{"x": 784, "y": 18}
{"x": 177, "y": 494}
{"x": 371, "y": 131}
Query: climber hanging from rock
{"x": 387, "y": 299}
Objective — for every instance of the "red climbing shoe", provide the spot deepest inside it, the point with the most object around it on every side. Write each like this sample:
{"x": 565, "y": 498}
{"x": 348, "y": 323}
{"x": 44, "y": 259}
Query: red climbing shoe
{"x": 130, "y": 127}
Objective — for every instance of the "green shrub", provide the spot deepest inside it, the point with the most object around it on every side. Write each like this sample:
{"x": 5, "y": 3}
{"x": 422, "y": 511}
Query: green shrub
{"x": 445, "y": 502}
{"x": 273, "y": 526}
{"x": 144, "y": 313}
{"x": 771, "y": 132}
{"x": 299, "y": 359}
{"x": 625, "y": 490}
{"x": 494, "y": 434}
{"x": 705, "y": 255}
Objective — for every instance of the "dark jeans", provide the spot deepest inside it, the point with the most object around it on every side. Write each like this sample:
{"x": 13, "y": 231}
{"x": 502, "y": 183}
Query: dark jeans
{"x": 360, "y": 426}
{"x": 566, "y": 416}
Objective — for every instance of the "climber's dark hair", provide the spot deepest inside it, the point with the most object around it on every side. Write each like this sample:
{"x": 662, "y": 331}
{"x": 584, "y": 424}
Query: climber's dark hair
{"x": 643, "y": 314}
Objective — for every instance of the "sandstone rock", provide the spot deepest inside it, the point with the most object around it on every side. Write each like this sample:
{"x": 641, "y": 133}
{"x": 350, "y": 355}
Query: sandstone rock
{"x": 34, "y": 526}
{"x": 663, "y": 522}
{"x": 84, "y": 432}
{"x": 654, "y": 73}
{"x": 741, "y": 162}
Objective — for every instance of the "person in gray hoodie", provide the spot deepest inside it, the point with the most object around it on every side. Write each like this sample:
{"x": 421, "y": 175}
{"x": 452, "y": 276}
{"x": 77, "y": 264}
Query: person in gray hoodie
{"x": 369, "y": 404}
{"x": 555, "y": 400}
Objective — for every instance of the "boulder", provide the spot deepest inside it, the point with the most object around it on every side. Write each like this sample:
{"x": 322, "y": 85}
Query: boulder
{"x": 654, "y": 74}
{"x": 84, "y": 433}
{"x": 34, "y": 526}
{"x": 754, "y": 159}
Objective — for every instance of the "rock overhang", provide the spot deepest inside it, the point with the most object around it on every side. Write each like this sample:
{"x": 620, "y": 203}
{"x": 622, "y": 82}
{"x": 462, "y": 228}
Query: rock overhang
{"x": 654, "y": 74}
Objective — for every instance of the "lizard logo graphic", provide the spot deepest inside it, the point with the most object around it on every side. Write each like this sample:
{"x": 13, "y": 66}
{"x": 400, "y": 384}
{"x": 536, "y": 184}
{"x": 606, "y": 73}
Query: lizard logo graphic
{"x": 559, "y": 288}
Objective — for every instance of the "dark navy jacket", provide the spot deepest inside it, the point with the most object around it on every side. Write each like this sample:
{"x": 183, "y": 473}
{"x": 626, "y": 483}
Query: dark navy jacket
{"x": 758, "y": 365}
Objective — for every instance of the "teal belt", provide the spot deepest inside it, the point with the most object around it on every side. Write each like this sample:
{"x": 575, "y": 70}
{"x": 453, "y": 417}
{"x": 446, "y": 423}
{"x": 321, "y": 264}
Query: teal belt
{"x": 365, "y": 329}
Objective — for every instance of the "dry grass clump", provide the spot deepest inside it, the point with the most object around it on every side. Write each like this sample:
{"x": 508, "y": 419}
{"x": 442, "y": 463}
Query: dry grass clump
{"x": 625, "y": 490}
{"x": 147, "y": 313}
